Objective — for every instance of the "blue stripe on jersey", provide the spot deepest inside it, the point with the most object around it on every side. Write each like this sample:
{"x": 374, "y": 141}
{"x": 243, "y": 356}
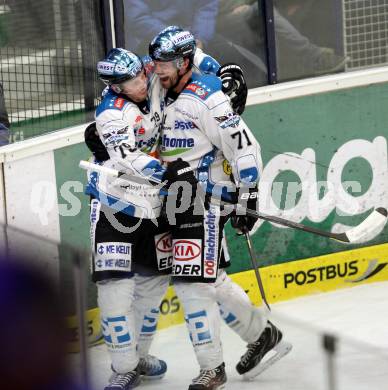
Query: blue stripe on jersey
{"x": 203, "y": 86}
{"x": 204, "y": 165}
{"x": 111, "y": 101}
{"x": 154, "y": 171}
{"x": 111, "y": 201}
{"x": 209, "y": 65}
{"x": 249, "y": 175}
{"x": 203, "y": 177}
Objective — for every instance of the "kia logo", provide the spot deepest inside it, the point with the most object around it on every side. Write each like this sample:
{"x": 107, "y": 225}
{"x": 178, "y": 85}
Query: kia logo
{"x": 185, "y": 250}
{"x": 164, "y": 244}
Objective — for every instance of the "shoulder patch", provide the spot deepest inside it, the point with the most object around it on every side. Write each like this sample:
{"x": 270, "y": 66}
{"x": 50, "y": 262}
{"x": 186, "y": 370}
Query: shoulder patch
{"x": 111, "y": 102}
{"x": 119, "y": 103}
{"x": 198, "y": 90}
{"x": 203, "y": 86}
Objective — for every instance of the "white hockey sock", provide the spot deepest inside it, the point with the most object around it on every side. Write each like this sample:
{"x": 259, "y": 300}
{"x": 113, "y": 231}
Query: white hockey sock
{"x": 149, "y": 292}
{"x": 115, "y": 300}
{"x": 203, "y": 321}
{"x": 237, "y": 310}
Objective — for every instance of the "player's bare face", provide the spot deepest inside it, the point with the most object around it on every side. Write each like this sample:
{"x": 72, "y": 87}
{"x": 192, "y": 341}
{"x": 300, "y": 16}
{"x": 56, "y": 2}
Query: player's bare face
{"x": 167, "y": 72}
{"x": 136, "y": 88}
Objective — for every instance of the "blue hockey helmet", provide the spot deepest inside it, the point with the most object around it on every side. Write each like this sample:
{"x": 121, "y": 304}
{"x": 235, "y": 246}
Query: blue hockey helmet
{"x": 118, "y": 66}
{"x": 172, "y": 43}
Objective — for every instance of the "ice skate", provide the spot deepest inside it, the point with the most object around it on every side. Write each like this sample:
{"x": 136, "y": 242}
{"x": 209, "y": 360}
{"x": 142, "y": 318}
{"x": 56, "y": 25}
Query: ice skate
{"x": 214, "y": 379}
{"x": 152, "y": 368}
{"x": 256, "y": 360}
{"x": 127, "y": 381}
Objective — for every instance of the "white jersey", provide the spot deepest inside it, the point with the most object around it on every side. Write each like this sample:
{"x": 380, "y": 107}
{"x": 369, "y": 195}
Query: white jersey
{"x": 201, "y": 128}
{"x": 130, "y": 132}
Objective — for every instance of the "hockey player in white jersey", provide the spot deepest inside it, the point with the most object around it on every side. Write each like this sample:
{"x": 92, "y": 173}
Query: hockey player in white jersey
{"x": 130, "y": 267}
{"x": 202, "y": 138}
{"x": 131, "y": 252}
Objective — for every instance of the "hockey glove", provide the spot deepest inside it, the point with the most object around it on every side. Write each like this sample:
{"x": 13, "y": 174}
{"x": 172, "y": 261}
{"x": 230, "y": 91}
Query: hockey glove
{"x": 177, "y": 171}
{"x": 94, "y": 143}
{"x": 248, "y": 198}
{"x": 234, "y": 85}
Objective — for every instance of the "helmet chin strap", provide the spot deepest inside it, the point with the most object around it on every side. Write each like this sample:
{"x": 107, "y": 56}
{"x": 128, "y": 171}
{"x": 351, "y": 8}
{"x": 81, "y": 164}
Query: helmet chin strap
{"x": 116, "y": 88}
{"x": 179, "y": 63}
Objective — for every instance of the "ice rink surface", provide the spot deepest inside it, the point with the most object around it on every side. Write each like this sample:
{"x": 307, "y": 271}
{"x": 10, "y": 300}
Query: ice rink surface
{"x": 358, "y": 316}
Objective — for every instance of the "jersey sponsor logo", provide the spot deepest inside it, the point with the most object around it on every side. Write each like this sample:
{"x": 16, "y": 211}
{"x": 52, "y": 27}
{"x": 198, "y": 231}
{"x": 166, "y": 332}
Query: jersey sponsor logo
{"x": 113, "y": 256}
{"x": 114, "y": 248}
{"x": 137, "y": 127}
{"x": 114, "y": 131}
{"x": 226, "y": 167}
{"x": 198, "y": 324}
{"x": 119, "y": 103}
{"x": 229, "y": 120}
{"x": 171, "y": 142}
{"x": 136, "y": 188}
{"x": 115, "y": 139}
{"x": 211, "y": 242}
{"x": 94, "y": 210}
{"x": 116, "y": 332}
{"x": 186, "y": 250}
{"x": 115, "y": 136}
{"x": 320, "y": 274}
{"x": 164, "y": 242}
{"x": 147, "y": 144}
{"x": 197, "y": 90}
{"x": 163, "y": 248}
{"x": 182, "y": 125}
{"x": 187, "y": 257}
{"x": 186, "y": 113}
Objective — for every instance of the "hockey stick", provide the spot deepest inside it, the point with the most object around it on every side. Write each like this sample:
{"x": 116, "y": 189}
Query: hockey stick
{"x": 375, "y": 221}
{"x": 253, "y": 257}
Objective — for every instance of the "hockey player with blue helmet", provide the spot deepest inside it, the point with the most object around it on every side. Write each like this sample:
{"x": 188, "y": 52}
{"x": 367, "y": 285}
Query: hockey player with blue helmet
{"x": 204, "y": 138}
{"x": 165, "y": 48}
{"x": 125, "y": 137}
{"x": 131, "y": 274}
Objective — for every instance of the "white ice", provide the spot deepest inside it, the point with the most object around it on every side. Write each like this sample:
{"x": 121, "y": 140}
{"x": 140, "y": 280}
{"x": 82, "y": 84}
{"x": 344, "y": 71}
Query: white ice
{"x": 358, "y": 316}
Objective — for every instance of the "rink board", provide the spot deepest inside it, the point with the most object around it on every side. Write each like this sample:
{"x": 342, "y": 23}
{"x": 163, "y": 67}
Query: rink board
{"x": 281, "y": 282}
{"x": 304, "y": 277}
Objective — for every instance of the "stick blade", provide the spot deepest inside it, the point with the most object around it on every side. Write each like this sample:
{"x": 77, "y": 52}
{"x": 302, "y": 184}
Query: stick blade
{"x": 382, "y": 211}
{"x": 369, "y": 228}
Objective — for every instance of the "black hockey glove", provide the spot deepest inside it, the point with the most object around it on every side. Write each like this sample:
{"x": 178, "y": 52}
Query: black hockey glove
{"x": 94, "y": 143}
{"x": 248, "y": 198}
{"x": 179, "y": 170}
{"x": 234, "y": 85}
